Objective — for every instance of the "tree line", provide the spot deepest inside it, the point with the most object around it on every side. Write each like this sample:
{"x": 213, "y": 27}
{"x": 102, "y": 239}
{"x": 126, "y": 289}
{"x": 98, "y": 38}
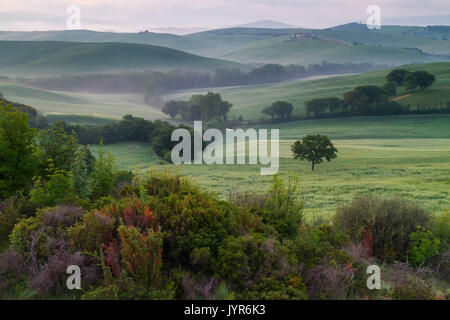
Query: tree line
{"x": 155, "y": 83}
{"x": 371, "y": 99}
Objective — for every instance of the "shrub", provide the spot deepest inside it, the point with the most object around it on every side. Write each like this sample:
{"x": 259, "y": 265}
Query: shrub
{"x": 142, "y": 255}
{"x": 56, "y": 190}
{"x": 390, "y": 222}
{"x": 424, "y": 247}
{"x": 283, "y": 209}
{"x": 243, "y": 261}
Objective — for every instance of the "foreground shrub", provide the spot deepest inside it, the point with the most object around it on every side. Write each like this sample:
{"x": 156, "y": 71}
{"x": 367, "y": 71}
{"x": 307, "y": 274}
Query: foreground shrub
{"x": 389, "y": 221}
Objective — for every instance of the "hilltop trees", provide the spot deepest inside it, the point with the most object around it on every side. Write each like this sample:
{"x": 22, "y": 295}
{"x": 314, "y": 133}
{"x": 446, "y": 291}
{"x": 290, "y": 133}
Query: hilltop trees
{"x": 314, "y": 148}
{"x": 397, "y": 76}
{"x": 281, "y": 109}
{"x": 421, "y": 79}
{"x": 411, "y": 80}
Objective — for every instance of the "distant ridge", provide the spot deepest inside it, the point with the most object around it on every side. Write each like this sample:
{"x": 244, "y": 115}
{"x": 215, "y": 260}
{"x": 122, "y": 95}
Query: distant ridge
{"x": 266, "y": 24}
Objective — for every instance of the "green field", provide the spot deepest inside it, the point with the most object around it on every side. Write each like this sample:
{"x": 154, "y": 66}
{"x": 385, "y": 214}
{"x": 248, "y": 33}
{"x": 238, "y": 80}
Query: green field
{"x": 408, "y": 156}
{"x": 249, "y": 101}
{"x": 33, "y": 58}
{"x": 64, "y": 104}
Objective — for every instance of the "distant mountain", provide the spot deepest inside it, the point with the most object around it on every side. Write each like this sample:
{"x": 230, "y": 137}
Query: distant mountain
{"x": 177, "y": 31}
{"x": 419, "y": 21}
{"x": 266, "y": 24}
{"x": 57, "y": 58}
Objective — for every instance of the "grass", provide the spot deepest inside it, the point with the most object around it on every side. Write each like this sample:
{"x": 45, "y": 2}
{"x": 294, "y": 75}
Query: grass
{"x": 75, "y": 105}
{"x": 56, "y": 58}
{"x": 415, "y": 165}
{"x": 249, "y": 101}
{"x": 310, "y": 51}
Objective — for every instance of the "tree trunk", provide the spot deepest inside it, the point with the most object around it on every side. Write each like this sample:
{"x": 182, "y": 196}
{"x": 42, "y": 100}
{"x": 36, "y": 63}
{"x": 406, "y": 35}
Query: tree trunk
{"x": 312, "y": 165}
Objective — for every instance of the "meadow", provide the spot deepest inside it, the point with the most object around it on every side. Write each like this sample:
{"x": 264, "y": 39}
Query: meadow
{"x": 249, "y": 101}
{"x": 408, "y": 156}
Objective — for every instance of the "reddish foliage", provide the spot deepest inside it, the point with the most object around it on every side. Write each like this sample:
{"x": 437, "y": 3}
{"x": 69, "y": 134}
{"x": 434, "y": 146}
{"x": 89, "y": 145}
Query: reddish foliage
{"x": 112, "y": 257}
{"x": 368, "y": 241}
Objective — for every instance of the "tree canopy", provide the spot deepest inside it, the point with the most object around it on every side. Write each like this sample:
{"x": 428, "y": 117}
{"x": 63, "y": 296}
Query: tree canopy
{"x": 314, "y": 148}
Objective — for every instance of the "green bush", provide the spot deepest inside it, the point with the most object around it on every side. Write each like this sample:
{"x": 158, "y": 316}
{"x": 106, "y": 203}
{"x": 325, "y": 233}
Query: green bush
{"x": 390, "y": 222}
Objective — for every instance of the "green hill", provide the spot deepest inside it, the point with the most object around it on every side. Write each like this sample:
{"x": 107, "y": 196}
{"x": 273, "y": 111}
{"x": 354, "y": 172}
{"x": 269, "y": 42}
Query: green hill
{"x": 65, "y": 105}
{"x": 150, "y": 38}
{"x": 249, "y": 101}
{"x": 55, "y": 58}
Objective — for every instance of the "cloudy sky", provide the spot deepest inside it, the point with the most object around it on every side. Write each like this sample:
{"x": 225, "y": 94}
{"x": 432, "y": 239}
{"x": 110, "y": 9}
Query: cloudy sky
{"x": 135, "y": 15}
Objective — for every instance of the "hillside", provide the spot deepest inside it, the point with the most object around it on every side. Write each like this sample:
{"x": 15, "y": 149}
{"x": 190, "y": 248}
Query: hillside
{"x": 249, "y": 101}
{"x": 150, "y": 38}
{"x": 64, "y": 104}
{"x": 56, "y": 58}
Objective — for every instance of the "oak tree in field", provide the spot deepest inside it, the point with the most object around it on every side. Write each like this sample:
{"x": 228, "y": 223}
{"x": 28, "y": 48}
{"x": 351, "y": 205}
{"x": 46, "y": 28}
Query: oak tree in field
{"x": 314, "y": 148}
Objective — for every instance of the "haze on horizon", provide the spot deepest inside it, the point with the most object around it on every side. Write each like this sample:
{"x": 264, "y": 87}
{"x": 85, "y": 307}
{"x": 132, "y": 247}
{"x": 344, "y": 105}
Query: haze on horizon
{"x": 136, "y": 15}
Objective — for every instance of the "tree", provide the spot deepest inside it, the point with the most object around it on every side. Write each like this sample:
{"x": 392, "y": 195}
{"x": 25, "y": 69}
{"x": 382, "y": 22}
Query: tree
{"x": 171, "y": 108}
{"x": 397, "y": 76}
{"x": 102, "y": 177}
{"x": 282, "y": 109}
{"x": 17, "y": 159}
{"x": 314, "y": 148}
{"x": 421, "y": 79}
{"x": 390, "y": 88}
{"x": 269, "y": 111}
{"x": 58, "y": 147}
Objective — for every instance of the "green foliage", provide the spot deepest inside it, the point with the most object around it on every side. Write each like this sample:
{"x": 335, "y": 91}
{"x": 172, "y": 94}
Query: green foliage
{"x": 57, "y": 189}
{"x": 199, "y": 107}
{"x": 321, "y": 243}
{"x": 283, "y": 208}
{"x": 281, "y": 109}
{"x": 410, "y": 291}
{"x": 102, "y": 176}
{"x": 314, "y": 148}
{"x": 421, "y": 79}
{"x": 390, "y": 221}
{"x": 17, "y": 160}
{"x": 424, "y": 247}
{"x": 397, "y": 76}
{"x": 245, "y": 260}
{"x": 57, "y": 148}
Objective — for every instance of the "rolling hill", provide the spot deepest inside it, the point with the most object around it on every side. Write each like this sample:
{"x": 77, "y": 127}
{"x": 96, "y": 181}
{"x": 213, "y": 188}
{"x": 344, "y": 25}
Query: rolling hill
{"x": 249, "y": 101}
{"x": 239, "y": 42}
{"x": 55, "y": 58}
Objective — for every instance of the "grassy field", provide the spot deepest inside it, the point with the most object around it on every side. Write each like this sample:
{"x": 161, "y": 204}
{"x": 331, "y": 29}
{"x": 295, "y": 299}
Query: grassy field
{"x": 249, "y": 101}
{"x": 33, "y": 58}
{"x": 310, "y": 51}
{"x": 414, "y": 162}
{"x": 65, "y": 104}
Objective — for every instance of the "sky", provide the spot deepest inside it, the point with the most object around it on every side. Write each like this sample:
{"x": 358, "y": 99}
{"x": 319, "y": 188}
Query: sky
{"x": 136, "y": 15}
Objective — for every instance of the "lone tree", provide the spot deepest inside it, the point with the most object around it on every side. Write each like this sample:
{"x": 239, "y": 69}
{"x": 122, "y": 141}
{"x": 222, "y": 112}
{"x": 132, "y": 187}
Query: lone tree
{"x": 314, "y": 148}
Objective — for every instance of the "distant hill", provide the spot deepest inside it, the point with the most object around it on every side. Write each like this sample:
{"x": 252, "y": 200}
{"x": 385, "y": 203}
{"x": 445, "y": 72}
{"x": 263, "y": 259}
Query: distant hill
{"x": 419, "y": 20}
{"x": 266, "y": 24}
{"x": 151, "y": 38}
{"x": 56, "y": 58}
{"x": 308, "y": 49}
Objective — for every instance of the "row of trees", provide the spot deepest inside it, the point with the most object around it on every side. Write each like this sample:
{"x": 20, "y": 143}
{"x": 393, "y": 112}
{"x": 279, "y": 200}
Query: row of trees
{"x": 371, "y": 99}
{"x": 155, "y": 83}
{"x": 199, "y": 107}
